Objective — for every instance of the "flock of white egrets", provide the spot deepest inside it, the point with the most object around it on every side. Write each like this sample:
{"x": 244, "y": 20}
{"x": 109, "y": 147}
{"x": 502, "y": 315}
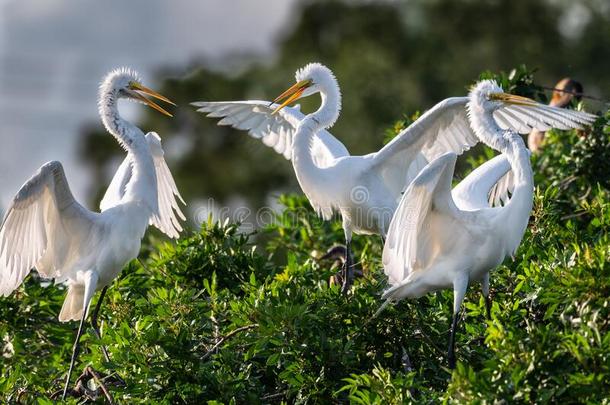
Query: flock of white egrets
{"x": 435, "y": 236}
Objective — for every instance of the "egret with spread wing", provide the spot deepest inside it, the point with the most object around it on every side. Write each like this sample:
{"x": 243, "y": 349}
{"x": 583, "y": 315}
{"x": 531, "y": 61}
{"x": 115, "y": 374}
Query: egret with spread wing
{"x": 443, "y": 238}
{"x": 365, "y": 190}
{"x": 47, "y": 229}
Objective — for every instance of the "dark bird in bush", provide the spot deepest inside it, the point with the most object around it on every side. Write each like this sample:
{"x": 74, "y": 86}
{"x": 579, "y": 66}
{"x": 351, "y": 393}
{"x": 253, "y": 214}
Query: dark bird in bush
{"x": 338, "y": 254}
{"x": 441, "y": 238}
{"x": 47, "y": 229}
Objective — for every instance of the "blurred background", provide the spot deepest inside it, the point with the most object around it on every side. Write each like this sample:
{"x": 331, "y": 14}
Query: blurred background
{"x": 391, "y": 58}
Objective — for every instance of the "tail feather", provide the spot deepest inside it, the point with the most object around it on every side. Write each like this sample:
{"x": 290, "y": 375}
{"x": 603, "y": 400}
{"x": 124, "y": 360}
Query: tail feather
{"x": 72, "y": 309}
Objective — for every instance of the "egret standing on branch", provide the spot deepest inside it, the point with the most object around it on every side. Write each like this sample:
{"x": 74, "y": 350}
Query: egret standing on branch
{"x": 441, "y": 238}
{"x": 47, "y": 229}
{"x": 365, "y": 190}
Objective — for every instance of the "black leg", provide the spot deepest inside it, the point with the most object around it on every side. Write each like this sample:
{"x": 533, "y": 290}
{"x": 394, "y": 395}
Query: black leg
{"x": 348, "y": 269}
{"x": 451, "y": 350}
{"x": 488, "y": 306}
{"x": 75, "y": 350}
{"x": 94, "y": 324}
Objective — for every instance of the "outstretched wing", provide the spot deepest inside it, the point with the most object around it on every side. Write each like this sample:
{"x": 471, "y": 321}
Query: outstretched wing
{"x": 444, "y": 128}
{"x": 116, "y": 190}
{"x": 528, "y": 115}
{"x": 168, "y": 220}
{"x": 38, "y": 227}
{"x": 275, "y": 130}
{"x": 405, "y": 249}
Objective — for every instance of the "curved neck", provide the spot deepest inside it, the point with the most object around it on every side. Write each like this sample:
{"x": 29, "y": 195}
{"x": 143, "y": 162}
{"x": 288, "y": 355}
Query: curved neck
{"x": 517, "y": 210}
{"x": 504, "y": 141}
{"x": 485, "y": 127}
{"x": 324, "y": 117}
{"x": 515, "y": 214}
{"x": 124, "y": 131}
{"x": 142, "y": 186}
{"x": 330, "y": 107}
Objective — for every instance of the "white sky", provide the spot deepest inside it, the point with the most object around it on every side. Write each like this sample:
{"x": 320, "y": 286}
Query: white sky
{"x": 53, "y": 54}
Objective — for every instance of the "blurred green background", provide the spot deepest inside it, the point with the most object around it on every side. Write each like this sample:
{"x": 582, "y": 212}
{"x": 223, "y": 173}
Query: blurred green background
{"x": 391, "y": 58}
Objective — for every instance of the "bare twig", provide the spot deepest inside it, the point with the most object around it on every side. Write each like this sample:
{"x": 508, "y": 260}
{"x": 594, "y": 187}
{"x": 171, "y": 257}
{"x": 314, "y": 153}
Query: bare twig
{"x": 274, "y": 396}
{"x": 227, "y": 337}
{"x": 575, "y": 215}
{"x": 576, "y": 93}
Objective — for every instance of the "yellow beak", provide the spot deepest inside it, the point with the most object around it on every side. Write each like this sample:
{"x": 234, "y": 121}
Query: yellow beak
{"x": 512, "y": 99}
{"x": 139, "y": 88}
{"x": 293, "y": 93}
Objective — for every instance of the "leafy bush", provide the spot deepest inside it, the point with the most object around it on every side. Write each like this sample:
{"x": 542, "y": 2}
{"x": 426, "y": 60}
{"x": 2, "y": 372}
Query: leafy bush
{"x": 216, "y": 318}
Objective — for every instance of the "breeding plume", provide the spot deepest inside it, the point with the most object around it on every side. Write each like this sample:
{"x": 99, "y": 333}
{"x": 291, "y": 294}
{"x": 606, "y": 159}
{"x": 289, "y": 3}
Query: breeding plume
{"x": 441, "y": 238}
{"x": 364, "y": 190}
{"x": 47, "y": 229}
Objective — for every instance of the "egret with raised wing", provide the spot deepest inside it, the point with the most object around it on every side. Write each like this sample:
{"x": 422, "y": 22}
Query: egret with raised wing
{"x": 364, "y": 190}
{"x": 441, "y": 238}
{"x": 47, "y": 229}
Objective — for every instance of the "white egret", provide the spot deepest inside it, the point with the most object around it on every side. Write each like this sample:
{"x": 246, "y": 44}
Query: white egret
{"x": 365, "y": 190}
{"x": 441, "y": 238}
{"x": 47, "y": 229}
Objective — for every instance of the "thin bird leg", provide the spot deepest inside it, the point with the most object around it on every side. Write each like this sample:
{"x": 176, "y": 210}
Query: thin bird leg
{"x": 485, "y": 289}
{"x": 459, "y": 291}
{"x": 348, "y": 269}
{"x": 451, "y": 350}
{"x": 488, "y": 306}
{"x": 94, "y": 324}
{"x": 75, "y": 350}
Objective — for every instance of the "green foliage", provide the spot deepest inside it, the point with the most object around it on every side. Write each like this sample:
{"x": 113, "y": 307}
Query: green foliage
{"x": 215, "y": 318}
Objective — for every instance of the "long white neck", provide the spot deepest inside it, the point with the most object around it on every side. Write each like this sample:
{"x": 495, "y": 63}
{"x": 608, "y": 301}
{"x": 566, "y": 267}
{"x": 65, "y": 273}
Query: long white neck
{"x": 328, "y": 112}
{"x": 510, "y": 143}
{"x": 142, "y": 187}
{"x": 324, "y": 117}
{"x": 519, "y": 207}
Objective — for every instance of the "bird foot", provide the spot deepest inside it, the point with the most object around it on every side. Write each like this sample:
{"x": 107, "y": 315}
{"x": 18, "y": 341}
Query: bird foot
{"x": 93, "y": 385}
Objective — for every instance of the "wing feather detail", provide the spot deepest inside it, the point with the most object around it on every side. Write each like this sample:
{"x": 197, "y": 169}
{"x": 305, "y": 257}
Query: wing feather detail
{"x": 43, "y": 211}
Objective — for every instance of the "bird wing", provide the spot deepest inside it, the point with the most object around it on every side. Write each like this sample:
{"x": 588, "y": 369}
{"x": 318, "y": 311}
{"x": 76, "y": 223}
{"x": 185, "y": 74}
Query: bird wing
{"x": 528, "y": 115}
{"x": 168, "y": 218}
{"x": 487, "y": 185}
{"x": 116, "y": 190}
{"x": 444, "y": 128}
{"x": 38, "y": 227}
{"x": 275, "y": 130}
{"x": 499, "y": 195}
{"x": 404, "y": 251}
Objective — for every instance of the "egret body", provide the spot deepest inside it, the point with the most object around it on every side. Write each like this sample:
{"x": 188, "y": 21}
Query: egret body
{"x": 441, "y": 238}
{"x": 47, "y": 229}
{"x": 364, "y": 190}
